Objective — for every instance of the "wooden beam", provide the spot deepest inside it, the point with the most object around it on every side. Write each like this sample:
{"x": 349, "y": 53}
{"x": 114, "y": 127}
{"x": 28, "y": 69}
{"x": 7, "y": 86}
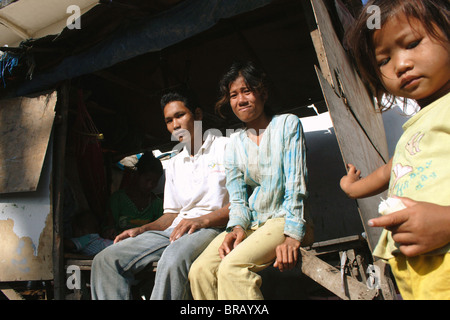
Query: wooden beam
{"x": 330, "y": 278}
{"x": 386, "y": 283}
{"x": 10, "y": 293}
{"x": 58, "y": 193}
{"x": 342, "y": 76}
{"x": 15, "y": 28}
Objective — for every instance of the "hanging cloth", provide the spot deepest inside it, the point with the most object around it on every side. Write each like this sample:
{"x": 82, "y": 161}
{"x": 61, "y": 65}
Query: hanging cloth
{"x": 90, "y": 161}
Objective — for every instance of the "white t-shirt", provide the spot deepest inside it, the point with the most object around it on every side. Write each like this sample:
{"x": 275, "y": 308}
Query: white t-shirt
{"x": 196, "y": 185}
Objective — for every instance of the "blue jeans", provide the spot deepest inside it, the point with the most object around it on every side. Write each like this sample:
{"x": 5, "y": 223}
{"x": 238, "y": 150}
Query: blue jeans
{"x": 114, "y": 268}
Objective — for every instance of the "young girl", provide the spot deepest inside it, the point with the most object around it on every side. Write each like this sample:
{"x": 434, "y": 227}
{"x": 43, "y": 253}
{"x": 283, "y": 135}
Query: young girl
{"x": 410, "y": 57}
{"x": 267, "y": 223}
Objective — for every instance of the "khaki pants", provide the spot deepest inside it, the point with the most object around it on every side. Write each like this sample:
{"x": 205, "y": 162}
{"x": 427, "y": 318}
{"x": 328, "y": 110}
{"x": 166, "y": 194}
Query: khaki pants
{"x": 235, "y": 277}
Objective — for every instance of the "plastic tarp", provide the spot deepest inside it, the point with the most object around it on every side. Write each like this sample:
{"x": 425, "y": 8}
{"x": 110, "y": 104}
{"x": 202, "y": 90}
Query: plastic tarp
{"x": 146, "y": 35}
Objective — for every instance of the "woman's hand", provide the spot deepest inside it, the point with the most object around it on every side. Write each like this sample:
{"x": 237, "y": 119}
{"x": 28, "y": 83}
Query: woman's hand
{"x": 231, "y": 240}
{"x": 420, "y": 228}
{"x": 130, "y": 233}
{"x": 287, "y": 254}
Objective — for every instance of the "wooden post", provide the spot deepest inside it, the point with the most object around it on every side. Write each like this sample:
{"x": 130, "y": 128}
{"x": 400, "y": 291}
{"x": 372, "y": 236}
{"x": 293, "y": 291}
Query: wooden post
{"x": 60, "y": 136}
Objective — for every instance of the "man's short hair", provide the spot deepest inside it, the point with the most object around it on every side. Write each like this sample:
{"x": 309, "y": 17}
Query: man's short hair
{"x": 182, "y": 95}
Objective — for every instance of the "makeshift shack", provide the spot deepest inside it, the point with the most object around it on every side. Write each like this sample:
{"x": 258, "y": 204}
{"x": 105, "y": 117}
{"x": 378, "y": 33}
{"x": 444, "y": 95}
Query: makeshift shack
{"x": 76, "y": 103}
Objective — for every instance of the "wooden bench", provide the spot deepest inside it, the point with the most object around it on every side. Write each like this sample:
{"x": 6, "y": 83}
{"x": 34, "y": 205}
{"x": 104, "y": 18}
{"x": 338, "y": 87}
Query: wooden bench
{"x": 84, "y": 264}
{"x": 346, "y": 275}
{"x": 339, "y": 265}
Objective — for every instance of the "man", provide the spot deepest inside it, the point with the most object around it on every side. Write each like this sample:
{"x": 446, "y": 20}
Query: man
{"x": 195, "y": 207}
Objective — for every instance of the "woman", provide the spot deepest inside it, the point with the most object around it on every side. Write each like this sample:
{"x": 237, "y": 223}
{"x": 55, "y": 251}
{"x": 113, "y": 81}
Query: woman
{"x": 267, "y": 224}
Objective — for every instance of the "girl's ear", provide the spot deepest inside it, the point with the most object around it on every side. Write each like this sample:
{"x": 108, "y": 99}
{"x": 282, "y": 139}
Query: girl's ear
{"x": 198, "y": 114}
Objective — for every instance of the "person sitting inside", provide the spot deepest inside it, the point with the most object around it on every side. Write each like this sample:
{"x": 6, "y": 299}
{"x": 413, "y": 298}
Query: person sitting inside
{"x": 266, "y": 225}
{"x": 136, "y": 204}
{"x": 195, "y": 212}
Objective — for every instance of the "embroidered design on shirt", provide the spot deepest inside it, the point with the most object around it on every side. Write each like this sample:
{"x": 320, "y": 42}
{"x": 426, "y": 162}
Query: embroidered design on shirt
{"x": 414, "y": 177}
{"x": 399, "y": 172}
{"x": 216, "y": 167}
{"x": 413, "y": 144}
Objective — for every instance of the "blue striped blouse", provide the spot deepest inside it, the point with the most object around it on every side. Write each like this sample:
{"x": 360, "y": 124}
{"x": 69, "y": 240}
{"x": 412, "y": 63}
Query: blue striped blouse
{"x": 269, "y": 180}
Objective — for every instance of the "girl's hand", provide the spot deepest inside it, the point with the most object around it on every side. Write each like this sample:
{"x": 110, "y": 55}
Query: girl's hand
{"x": 231, "y": 240}
{"x": 420, "y": 228}
{"x": 287, "y": 254}
{"x": 348, "y": 180}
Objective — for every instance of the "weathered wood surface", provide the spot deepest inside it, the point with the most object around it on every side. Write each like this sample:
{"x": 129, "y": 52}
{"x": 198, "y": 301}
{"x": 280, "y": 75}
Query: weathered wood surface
{"x": 330, "y": 278}
{"x": 344, "y": 79}
{"x": 358, "y": 125}
{"x": 356, "y": 149}
{"x": 25, "y": 127}
{"x": 26, "y": 232}
{"x": 26, "y": 218}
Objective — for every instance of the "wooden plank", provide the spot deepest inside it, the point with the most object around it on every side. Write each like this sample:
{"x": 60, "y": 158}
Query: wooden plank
{"x": 58, "y": 194}
{"x": 336, "y": 242}
{"x": 26, "y": 231}
{"x": 336, "y": 245}
{"x": 26, "y": 124}
{"x": 10, "y": 293}
{"x": 330, "y": 278}
{"x": 386, "y": 284}
{"x": 365, "y": 158}
{"x": 79, "y": 262}
{"x": 356, "y": 149}
{"x": 342, "y": 76}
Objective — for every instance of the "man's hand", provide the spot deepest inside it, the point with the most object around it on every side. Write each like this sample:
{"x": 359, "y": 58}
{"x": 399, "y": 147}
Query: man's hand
{"x": 130, "y": 233}
{"x": 231, "y": 240}
{"x": 216, "y": 218}
{"x": 188, "y": 226}
{"x": 287, "y": 254}
{"x": 420, "y": 228}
